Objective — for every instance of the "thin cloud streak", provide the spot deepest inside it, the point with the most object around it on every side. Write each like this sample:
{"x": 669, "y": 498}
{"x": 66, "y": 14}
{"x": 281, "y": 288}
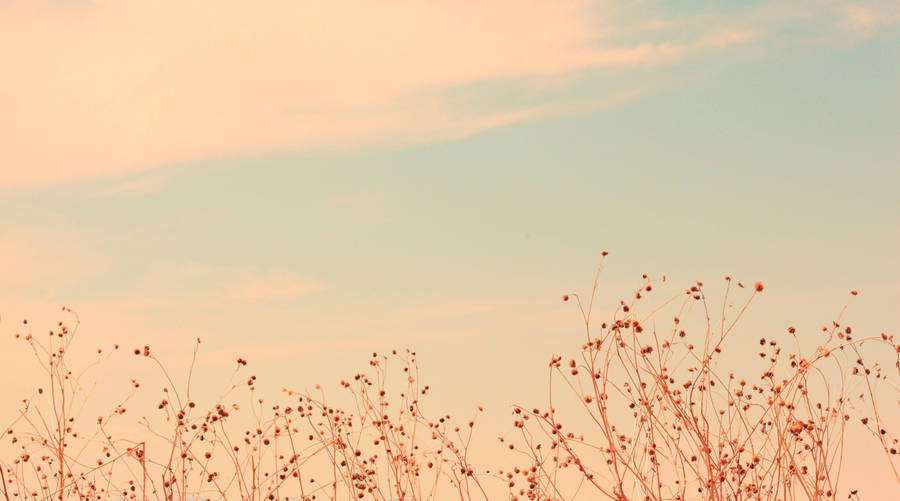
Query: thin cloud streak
{"x": 274, "y": 286}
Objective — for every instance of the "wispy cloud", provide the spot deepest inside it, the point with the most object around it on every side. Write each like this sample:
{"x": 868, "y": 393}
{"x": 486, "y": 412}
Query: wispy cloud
{"x": 868, "y": 19}
{"x": 141, "y": 184}
{"x": 350, "y": 199}
{"x": 109, "y": 87}
{"x": 271, "y": 287}
{"x": 31, "y": 262}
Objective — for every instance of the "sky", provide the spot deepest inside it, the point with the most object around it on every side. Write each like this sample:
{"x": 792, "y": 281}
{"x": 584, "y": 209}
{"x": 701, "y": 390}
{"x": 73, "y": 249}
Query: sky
{"x": 305, "y": 183}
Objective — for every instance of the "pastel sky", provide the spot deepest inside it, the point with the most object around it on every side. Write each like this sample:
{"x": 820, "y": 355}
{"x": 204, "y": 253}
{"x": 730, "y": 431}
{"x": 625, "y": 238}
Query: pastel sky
{"x": 306, "y": 182}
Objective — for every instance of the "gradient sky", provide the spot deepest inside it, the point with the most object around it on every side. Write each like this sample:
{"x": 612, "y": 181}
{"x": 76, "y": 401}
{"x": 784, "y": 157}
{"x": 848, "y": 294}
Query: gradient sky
{"x": 306, "y": 183}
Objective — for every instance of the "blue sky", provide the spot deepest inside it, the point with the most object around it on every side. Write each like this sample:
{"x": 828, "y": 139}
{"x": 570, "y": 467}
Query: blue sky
{"x": 744, "y": 164}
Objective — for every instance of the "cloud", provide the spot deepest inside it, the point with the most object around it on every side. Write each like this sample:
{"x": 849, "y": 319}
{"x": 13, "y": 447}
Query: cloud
{"x": 109, "y": 87}
{"x": 142, "y": 184}
{"x": 355, "y": 199}
{"x": 866, "y": 19}
{"x": 274, "y": 286}
{"x": 36, "y": 264}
